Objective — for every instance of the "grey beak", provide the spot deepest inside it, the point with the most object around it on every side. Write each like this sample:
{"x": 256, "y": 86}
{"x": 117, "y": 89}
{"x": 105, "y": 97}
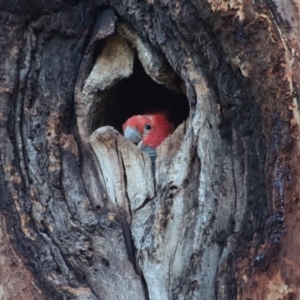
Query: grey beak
{"x": 132, "y": 134}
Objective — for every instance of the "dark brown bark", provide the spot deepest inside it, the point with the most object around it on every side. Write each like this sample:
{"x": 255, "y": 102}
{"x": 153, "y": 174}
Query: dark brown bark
{"x": 81, "y": 215}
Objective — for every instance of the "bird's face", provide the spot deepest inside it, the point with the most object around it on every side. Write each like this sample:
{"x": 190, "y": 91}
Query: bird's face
{"x": 147, "y": 130}
{"x": 136, "y": 128}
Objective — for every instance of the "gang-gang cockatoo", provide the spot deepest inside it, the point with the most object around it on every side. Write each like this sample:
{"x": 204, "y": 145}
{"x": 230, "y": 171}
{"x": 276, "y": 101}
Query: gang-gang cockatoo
{"x": 148, "y": 131}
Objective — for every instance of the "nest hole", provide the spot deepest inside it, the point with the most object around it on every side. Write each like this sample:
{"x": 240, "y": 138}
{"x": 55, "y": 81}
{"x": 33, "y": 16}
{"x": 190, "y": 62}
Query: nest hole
{"x": 138, "y": 94}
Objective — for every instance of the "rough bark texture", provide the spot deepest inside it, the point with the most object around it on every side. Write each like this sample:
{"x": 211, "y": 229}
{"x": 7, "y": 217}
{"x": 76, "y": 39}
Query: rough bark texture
{"x": 82, "y": 216}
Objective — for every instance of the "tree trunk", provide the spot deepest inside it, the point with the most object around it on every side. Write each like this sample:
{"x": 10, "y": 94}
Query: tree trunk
{"x": 83, "y": 215}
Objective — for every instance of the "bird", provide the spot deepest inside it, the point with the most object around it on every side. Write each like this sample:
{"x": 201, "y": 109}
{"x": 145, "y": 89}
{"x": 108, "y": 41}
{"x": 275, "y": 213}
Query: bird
{"x": 148, "y": 131}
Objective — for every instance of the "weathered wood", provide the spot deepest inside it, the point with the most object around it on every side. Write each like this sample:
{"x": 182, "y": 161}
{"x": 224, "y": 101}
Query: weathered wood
{"x": 127, "y": 170}
{"x": 86, "y": 219}
{"x": 16, "y": 282}
{"x": 54, "y": 216}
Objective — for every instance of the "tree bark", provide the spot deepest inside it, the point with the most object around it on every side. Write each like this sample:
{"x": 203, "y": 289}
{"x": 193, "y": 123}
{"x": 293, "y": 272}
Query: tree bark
{"x": 83, "y": 216}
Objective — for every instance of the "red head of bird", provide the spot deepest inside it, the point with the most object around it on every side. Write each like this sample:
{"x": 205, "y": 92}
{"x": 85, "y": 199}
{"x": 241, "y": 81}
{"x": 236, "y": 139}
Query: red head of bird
{"x": 148, "y": 131}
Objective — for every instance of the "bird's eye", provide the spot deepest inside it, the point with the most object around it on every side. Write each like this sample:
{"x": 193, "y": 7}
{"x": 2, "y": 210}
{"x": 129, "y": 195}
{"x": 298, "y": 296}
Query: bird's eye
{"x": 148, "y": 127}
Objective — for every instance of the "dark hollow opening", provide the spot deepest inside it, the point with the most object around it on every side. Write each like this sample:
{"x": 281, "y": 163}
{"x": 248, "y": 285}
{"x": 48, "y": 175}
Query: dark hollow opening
{"x": 139, "y": 94}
